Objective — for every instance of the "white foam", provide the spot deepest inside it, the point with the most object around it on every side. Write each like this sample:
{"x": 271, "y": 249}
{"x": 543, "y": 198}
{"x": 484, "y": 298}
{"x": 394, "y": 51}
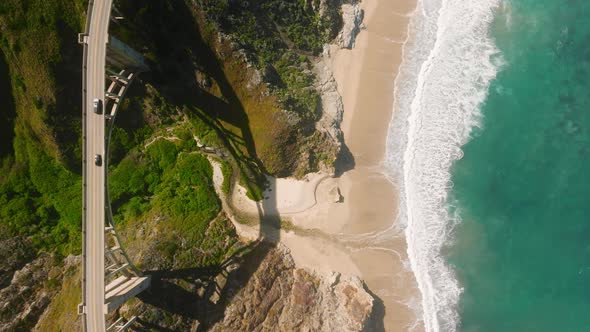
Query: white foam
{"x": 446, "y": 70}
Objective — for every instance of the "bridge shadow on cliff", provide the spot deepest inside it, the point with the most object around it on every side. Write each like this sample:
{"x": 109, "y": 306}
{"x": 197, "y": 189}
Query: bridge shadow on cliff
{"x": 185, "y": 70}
{"x": 203, "y": 293}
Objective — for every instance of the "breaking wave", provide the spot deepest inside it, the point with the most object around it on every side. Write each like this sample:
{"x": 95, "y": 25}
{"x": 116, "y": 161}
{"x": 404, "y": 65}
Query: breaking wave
{"x": 447, "y": 66}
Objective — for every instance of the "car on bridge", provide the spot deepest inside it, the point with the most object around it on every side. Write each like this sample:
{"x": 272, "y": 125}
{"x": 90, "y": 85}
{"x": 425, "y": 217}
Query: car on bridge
{"x": 97, "y": 105}
{"x": 98, "y": 160}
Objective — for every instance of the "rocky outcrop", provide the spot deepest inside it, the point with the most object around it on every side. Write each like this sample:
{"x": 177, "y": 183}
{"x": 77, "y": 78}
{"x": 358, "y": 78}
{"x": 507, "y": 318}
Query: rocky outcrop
{"x": 15, "y": 252}
{"x": 62, "y": 313}
{"x": 281, "y": 297}
{"x": 24, "y": 299}
{"x": 258, "y": 289}
{"x": 352, "y": 17}
{"x": 331, "y": 101}
{"x": 30, "y": 291}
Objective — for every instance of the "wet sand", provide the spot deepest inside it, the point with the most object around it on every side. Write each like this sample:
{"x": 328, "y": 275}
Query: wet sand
{"x": 365, "y": 77}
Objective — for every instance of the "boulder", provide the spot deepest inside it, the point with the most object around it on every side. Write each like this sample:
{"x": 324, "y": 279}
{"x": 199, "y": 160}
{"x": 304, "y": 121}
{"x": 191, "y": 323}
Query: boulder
{"x": 281, "y": 297}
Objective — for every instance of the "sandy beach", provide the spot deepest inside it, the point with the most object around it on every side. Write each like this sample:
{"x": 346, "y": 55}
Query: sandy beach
{"x": 365, "y": 77}
{"x": 347, "y": 224}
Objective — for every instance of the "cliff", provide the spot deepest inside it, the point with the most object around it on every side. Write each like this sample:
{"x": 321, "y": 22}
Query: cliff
{"x": 258, "y": 289}
{"x": 280, "y": 297}
{"x": 243, "y": 82}
{"x": 35, "y": 291}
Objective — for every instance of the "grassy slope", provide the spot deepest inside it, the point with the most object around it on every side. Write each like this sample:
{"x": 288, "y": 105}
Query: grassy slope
{"x": 38, "y": 197}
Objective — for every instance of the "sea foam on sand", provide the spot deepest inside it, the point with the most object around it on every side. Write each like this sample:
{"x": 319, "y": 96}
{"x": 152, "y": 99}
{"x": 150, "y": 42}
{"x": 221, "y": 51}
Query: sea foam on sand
{"x": 446, "y": 70}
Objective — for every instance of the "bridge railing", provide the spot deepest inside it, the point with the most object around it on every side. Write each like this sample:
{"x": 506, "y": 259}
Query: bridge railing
{"x": 82, "y": 40}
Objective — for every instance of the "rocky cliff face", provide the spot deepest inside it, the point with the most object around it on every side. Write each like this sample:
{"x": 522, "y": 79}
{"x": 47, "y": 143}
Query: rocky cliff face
{"x": 15, "y": 252}
{"x": 281, "y": 297}
{"x": 20, "y": 296}
{"x": 25, "y": 298}
{"x": 352, "y": 17}
{"x": 30, "y": 291}
{"x": 260, "y": 290}
{"x": 331, "y": 101}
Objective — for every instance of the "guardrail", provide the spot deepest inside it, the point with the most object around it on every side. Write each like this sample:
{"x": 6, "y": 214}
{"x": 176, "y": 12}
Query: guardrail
{"x": 82, "y": 40}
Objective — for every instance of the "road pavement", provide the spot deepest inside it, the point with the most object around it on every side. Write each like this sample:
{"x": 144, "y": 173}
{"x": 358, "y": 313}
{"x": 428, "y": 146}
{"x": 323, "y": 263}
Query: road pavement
{"x": 95, "y": 175}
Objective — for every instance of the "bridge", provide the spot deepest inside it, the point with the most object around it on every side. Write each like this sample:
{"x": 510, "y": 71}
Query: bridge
{"x": 109, "y": 278}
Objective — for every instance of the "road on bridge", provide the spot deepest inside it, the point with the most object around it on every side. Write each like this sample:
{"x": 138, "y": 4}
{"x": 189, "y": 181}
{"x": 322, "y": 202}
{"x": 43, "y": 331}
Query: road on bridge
{"x": 95, "y": 175}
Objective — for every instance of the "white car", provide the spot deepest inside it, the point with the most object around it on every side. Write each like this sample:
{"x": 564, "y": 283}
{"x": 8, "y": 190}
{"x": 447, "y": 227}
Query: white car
{"x": 97, "y": 105}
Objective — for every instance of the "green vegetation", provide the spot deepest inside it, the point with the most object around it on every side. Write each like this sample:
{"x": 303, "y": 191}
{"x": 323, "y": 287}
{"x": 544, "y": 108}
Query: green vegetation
{"x": 40, "y": 199}
{"x": 227, "y": 172}
{"x": 172, "y": 180}
{"x": 279, "y": 36}
{"x": 173, "y": 184}
{"x": 265, "y": 128}
{"x": 177, "y": 184}
{"x": 39, "y": 82}
{"x": 298, "y": 92}
{"x": 273, "y": 25}
{"x": 39, "y": 193}
{"x": 38, "y": 39}
{"x": 203, "y": 80}
{"x": 7, "y": 109}
{"x": 39, "y": 196}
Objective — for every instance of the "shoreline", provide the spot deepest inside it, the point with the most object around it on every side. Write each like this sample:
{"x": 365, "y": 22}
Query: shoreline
{"x": 453, "y": 66}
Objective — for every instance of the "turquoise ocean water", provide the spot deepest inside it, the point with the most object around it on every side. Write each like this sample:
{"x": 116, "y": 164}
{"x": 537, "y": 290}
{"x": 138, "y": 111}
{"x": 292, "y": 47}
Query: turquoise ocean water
{"x": 490, "y": 144}
{"x": 522, "y": 189}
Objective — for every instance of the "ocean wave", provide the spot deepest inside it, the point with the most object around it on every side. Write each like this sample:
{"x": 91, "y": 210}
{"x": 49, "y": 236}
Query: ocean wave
{"x": 443, "y": 80}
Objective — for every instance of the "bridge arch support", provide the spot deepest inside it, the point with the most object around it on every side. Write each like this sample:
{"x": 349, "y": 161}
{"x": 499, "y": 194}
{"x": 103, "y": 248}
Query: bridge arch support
{"x": 109, "y": 277}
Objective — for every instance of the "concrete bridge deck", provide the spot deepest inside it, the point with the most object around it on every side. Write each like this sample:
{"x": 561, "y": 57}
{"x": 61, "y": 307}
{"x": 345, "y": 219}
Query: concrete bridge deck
{"x": 98, "y": 299}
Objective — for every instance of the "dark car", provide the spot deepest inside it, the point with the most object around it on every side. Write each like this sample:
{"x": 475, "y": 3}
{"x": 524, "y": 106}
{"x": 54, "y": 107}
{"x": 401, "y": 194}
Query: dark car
{"x": 97, "y": 105}
{"x": 97, "y": 160}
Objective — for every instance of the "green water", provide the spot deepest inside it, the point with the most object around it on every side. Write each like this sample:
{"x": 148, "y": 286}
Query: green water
{"x": 522, "y": 250}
